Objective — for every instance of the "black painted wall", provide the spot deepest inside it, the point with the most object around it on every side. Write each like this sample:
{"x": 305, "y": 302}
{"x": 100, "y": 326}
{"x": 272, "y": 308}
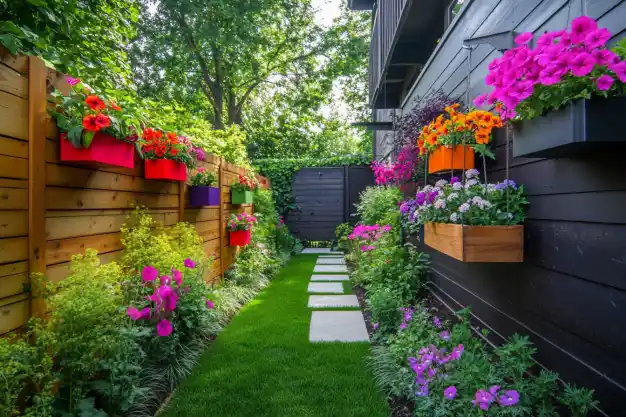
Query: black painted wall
{"x": 569, "y": 295}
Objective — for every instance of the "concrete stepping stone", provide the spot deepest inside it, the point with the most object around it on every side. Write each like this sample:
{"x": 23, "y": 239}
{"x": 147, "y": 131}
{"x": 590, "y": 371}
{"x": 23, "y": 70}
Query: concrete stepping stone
{"x": 337, "y": 326}
{"x": 330, "y": 268}
{"x": 331, "y": 257}
{"x": 326, "y": 287}
{"x": 316, "y": 250}
{"x": 323, "y": 277}
{"x": 330, "y": 261}
{"x": 327, "y": 301}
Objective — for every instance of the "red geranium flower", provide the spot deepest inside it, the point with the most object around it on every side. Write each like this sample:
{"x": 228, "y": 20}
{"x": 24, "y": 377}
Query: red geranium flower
{"x": 90, "y": 123}
{"x": 173, "y": 151}
{"x": 103, "y": 121}
{"x": 171, "y": 136}
{"x": 95, "y": 103}
{"x": 160, "y": 151}
{"x": 114, "y": 106}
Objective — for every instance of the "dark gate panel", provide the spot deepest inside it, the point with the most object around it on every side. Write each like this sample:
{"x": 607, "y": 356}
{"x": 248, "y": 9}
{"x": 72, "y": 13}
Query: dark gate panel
{"x": 319, "y": 199}
{"x": 359, "y": 177}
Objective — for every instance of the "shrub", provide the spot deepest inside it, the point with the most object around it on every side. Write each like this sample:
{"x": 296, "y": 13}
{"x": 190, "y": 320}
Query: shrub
{"x": 379, "y": 205}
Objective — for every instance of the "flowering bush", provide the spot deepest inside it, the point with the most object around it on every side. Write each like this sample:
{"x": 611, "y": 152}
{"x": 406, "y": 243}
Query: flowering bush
{"x": 157, "y": 145}
{"x": 368, "y": 235}
{"x": 399, "y": 172}
{"x": 245, "y": 183}
{"x": 81, "y": 114}
{"x": 471, "y": 203}
{"x": 204, "y": 177}
{"x": 241, "y": 221}
{"x": 564, "y": 66}
{"x": 456, "y": 128}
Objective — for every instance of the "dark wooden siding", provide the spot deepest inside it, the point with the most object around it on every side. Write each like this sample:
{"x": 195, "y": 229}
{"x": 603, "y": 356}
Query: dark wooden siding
{"x": 569, "y": 295}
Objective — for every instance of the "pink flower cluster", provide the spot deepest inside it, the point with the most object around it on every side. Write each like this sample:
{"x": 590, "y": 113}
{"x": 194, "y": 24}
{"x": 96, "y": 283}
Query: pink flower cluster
{"x": 368, "y": 235}
{"x": 557, "y": 55}
{"x": 241, "y": 221}
{"x": 164, "y": 298}
{"x": 400, "y": 171}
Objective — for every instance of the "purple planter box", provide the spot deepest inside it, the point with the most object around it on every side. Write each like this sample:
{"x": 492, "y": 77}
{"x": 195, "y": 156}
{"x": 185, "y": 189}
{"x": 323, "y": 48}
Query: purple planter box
{"x": 204, "y": 196}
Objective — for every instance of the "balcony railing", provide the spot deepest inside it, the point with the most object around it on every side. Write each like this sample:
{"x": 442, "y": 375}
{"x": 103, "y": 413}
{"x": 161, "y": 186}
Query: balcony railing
{"x": 386, "y": 22}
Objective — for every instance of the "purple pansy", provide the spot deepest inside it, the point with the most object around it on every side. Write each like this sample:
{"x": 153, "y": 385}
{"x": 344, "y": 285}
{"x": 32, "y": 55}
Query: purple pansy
{"x": 164, "y": 328}
{"x": 508, "y": 398}
{"x": 450, "y": 393}
{"x": 445, "y": 335}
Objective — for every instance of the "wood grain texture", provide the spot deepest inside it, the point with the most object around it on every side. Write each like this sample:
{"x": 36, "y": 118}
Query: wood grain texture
{"x": 59, "y": 251}
{"x": 13, "y": 198}
{"x": 13, "y": 249}
{"x": 68, "y": 198}
{"x": 11, "y": 167}
{"x": 11, "y": 285}
{"x": 13, "y": 82}
{"x": 13, "y": 223}
{"x": 13, "y": 268}
{"x": 14, "y": 315}
{"x": 18, "y": 63}
{"x": 13, "y": 147}
{"x": 13, "y": 116}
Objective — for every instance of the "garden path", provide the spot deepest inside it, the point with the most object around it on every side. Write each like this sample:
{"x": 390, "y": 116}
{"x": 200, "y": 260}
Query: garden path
{"x": 263, "y": 363}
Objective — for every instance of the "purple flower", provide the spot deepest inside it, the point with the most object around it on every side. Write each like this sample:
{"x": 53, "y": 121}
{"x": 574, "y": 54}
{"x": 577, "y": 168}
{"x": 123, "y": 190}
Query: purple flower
{"x": 597, "y": 38}
{"x": 509, "y": 398}
{"x": 457, "y": 352}
{"x": 480, "y": 100}
{"x": 420, "y": 198}
{"x": 445, "y": 335}
{"x": 177, "y": 277}
{"x": 432, "y": 195}
{"x": 482, "y": 399}
{"x": 422, "y": 391}
{"x": 437, "y": 322}
{"x": 581, "y": 64}
{"x": 189, "y": 263}
{"x": 169, "y": 297}
{"x": 450, "y": 393}
{"x": 72, "y": 81}
{"x": 403, "y": 325}
{"x": 493, "y": 390}
{"x": 149, "y": 273}
{"x": 164, "y": 328}
{"x": 199, "y": 154}
{"x": 454, "y": 180}
{"x": 164, "y": 280}
{"x": 604, "y": 82}
{"x": 620, "y": 70}
{"x": 523, "y": 38}
{"x": 210, "y": 304}
{"x": 375, "y": 325}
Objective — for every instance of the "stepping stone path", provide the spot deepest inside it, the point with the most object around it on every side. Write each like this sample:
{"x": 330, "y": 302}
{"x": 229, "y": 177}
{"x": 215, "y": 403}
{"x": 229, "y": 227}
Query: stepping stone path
{"x": 324, "y": 251}
{"x": 330, "y": 268}
{"x": 331, "y": 261}
{"x": 330, "y": 277}
{"x": 321, "y": 301}
{"x": 326, "y": 287}
{"x": 333, "y": 326}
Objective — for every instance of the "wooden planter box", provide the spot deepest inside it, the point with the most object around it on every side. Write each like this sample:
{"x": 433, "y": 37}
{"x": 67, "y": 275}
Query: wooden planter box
{"x": 240, "y": 238}
{"x": 242, "y": 197}
{"x": 165, "y": 169}
{"x": 581, "y": 127}
{"x": 476, "y": 243}
{"x": 104, "y": 149}
{"x": 458, "y": 158}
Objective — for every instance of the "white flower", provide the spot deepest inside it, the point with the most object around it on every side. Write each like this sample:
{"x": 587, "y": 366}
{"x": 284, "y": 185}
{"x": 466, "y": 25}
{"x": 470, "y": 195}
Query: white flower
{"x": 438, "y": 189}
{"x": 441, "y": 183}
{"x": 440, "y": 203}
{"x": 464, "y": 207}
{"x": 427, "y": 188}
{"x": 453, "y": 196}
{"x": 457, "y": 186}
{"x": 470, "y": 173}
{"x": 470, "y": 183}
{"x": 477, "y": 200}
{"x": 454, "y": 217}
{"x": 491, "y": 188}
{"x": 485, "y": 205}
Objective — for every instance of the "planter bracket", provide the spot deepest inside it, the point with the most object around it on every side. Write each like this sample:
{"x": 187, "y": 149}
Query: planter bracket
{"x": 502, "y": 41}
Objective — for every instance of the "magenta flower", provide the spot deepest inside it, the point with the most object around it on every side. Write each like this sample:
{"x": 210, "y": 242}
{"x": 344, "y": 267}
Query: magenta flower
{"x": 437, "y": 322}
{"x": 375, "y": 325}
{"x": 210, "y": 304}
{"x": 581, "y": 64}
{"x": 199, "y": 154}
{"x": 546, "y": 39}
{"x": 189, "y": 263}
{"x": 133, "y": 313}
{"x": 164, "y": 328}
{"x": 450, "y": 393}
{"x": 149, "y": 273}
{"x": 177, "y": 277}
{"x": 403, "y": 325}
{"x": 493, "y": 390}
{"x": 509, "y": 398}
{"x": 480, "y": 100}
{"x": 72, "y": 81}
{"x": 168, "y": 296}
{"x": 445, "y": 335}
{"x": 551, "y": 75}
{"x": 457, "y": 352}
{"x": 604, "y": 82}
{"x": 598, "y": 38}
{"x": 482, "y": 399}
{"x": 620, "y": 70}
{"x": 581, "y": 27}
{"x": 165, "y": 280}
{"x": 523, "y": 38}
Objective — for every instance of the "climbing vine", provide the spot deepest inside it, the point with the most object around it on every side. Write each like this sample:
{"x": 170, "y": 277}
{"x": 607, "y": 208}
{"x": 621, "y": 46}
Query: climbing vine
{"x": 281, "y": 172}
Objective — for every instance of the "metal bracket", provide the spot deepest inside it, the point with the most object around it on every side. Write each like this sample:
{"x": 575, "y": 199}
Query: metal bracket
{"x": 502, "y": 41}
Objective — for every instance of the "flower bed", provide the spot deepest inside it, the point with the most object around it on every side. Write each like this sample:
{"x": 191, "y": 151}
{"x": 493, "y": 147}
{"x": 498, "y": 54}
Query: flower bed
{"x": 240, "y": 227}
{"x": 203, "y": 191}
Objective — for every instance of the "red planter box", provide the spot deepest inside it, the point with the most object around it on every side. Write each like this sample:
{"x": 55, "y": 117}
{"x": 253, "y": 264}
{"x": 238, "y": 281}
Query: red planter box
{"x": 165, "y": 169}
{"x": 240, "y": 238}
{"x": 104, "y": 149}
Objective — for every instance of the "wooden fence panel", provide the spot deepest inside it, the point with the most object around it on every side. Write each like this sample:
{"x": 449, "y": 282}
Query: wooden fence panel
{"x": 51, "y": 210}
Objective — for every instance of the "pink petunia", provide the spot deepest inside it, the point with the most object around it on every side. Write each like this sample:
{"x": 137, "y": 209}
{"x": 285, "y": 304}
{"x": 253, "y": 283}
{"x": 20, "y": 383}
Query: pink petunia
{"x": 480, "y": 100}
{"x": 546, "y": 39}
{"x": 523, "y": 38}
{"x": 620, "y": 70}
{"x": 177, "y": 277}
{"x": 581, "y": 64}
{"x": 210, "y": 304}
{"x": 72, "y": 81}
{"x": 133, "y": 313}
{"x": 604, "y": 82}
{"x": 168, "y": 296}
{"x": 598, "y": 38}
{"x": 149, "y": 273}
{"x": 581, "y": 27}
{"x": 164, "y": 328}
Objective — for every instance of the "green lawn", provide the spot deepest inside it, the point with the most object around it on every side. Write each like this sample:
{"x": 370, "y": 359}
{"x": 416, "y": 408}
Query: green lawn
{"x": 262, "y": 364}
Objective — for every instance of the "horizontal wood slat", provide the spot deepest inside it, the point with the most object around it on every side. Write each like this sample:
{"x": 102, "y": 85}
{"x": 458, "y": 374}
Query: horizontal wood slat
{"x": 12, "y": 167}
{"x": 13, "y": 249}
{"x": 13, "y": 116}
{"x": 13, "y": 147}
{"x": 13, "y": 82}
{"x": 58, "y": 251}
{"x": 13, "y": 223}
{"x": 13, "y": 284}
{"x": 67, "y": 198}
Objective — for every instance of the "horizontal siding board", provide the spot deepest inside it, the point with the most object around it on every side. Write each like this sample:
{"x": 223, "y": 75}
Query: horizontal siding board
{"x": 13, "y": 147}
{"x": 601, "y": 207}
{"x": 13, "y": 268}
{"x": 13, "y": 223}
{"x": 13, "y": 249}
{"x": 58, "y": 251}
{"x": 13, "y": 82}
{"x": 14, "y": 316}
{"x": 13, "y": 116}
{"x": 12, "y": 167}
{"x": 67, "y": 198}
{"x": 13, "y": 284}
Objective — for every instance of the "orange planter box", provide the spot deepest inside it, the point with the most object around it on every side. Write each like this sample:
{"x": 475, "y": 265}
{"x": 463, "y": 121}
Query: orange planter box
{"x": 459, "y": 158}
{"x": 476, "y": 243}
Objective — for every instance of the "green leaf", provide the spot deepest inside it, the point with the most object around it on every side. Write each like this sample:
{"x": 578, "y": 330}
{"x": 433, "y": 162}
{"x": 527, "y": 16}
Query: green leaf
{"x": 88, "y": 138}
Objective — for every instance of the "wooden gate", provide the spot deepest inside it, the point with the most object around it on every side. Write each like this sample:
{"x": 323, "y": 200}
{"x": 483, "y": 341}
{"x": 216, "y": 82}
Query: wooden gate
{"x": 324, "y": 198}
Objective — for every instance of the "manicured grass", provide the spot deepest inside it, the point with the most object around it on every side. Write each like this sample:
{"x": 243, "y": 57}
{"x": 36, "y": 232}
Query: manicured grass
{"x": 262, "y": 364}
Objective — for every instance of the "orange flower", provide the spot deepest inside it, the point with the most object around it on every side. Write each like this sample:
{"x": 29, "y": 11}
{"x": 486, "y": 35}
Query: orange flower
{"x": 114, "y": 106}
{"x": 95, "y": 103}
{"x": 102, "y": 121}
{"x": 171, "y": 136}
{"x": 482, "y": 137}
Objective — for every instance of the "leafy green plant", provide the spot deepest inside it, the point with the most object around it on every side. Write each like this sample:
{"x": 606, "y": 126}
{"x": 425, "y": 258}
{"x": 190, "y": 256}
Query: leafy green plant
{"x": 341, "y": 232}
{"x": 281, "y": 171}
{"x": 228, "y": 143}
{"x": 379, "y": 205}
{"x": 204, "y": 177}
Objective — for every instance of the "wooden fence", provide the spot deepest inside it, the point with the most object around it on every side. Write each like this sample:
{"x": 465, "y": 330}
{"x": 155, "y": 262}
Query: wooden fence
{"x": 51, "y": 210}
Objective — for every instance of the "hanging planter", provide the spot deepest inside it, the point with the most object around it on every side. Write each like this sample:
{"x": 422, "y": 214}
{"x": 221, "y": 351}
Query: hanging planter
{"x": 240, "y": 238}
{"x": 476, "y": 243}
{"x": 458, "y": 158}
{"x": 242, "y": 197}
{"x": 582, "y": 126}
{"x": 104, "y": 149}
{"x": 204, "y": 196}
{"x": 165, "y": 169}
{"x": 242, "y": 190}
